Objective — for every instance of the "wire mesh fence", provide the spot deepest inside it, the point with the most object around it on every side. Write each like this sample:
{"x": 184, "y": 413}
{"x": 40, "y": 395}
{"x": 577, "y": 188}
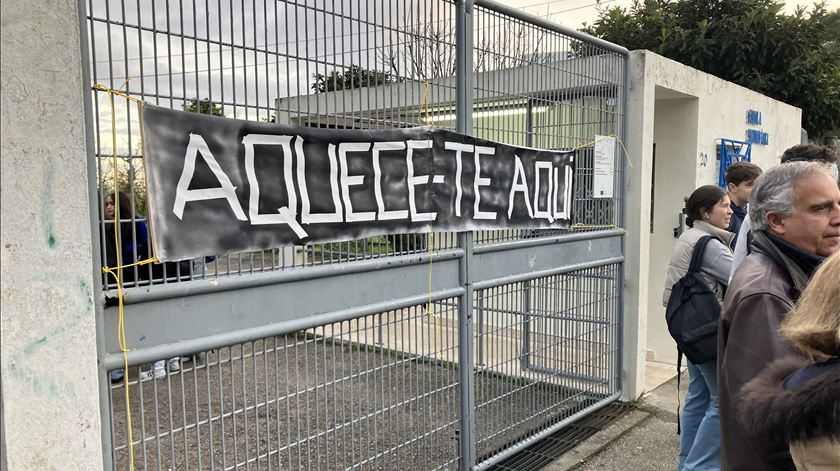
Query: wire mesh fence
{"x": 554, "y": 341}
{"x": 380, "y": 391}
{"x": 376, "y": 392}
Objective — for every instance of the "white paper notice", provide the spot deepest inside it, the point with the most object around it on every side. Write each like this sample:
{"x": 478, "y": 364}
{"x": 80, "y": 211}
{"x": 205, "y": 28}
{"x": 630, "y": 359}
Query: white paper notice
{"x": 604, "y": 167}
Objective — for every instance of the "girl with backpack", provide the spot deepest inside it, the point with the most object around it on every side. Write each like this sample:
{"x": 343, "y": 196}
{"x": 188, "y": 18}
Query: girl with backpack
{"x": 707, "y": 213}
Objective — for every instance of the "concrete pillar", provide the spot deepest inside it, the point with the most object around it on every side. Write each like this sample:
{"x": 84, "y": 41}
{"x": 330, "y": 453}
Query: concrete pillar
{"x": 50, "y": 393}
{"x": 637, "y": 223}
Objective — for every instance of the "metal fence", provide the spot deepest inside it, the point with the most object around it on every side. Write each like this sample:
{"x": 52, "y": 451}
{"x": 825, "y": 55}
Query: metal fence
{"x": 417, "y": 351}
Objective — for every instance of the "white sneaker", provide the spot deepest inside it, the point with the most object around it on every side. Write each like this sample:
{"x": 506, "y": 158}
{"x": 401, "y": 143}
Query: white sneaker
{"x": 157, "y": 372}
{"x": 174, "y": 364}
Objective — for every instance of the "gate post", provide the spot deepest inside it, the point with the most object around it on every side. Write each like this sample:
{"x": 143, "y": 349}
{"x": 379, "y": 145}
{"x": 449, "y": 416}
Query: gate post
{"x": 463, "y": 114}
{"x": 50, "y": 415}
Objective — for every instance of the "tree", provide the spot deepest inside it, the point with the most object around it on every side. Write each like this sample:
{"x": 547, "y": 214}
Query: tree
{"x": 428, "y": 49}
{"x": 352, "y": 77}
{"x": 204, "y": 106}
{"x": 792, "y": 58}
{"x": 425, "y": 50}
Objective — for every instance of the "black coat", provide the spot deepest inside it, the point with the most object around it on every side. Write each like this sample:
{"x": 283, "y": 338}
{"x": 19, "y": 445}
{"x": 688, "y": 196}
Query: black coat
{"x": 806, "y": 415}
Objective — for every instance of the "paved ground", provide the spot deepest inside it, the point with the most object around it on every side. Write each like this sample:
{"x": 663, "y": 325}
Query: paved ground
{"x": 299, "y": 402}
{"x": 644, "y": 440}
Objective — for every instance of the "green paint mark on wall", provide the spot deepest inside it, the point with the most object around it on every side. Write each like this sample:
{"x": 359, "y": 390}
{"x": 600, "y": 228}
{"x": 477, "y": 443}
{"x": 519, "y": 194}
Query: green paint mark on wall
{"x": 47, "y": 206}
{"x": 30, "y": 349}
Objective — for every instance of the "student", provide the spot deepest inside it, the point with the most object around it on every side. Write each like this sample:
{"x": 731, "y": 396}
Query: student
{"x": 740, "y": 178}
{"x": 708, "y": 212}
{"x": 132, "y": 236}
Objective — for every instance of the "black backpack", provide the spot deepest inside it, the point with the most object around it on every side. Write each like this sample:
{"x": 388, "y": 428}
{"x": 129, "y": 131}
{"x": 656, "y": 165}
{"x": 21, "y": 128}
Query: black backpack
{"x": 692, "y": 315}
{"x": 693, "y": 311}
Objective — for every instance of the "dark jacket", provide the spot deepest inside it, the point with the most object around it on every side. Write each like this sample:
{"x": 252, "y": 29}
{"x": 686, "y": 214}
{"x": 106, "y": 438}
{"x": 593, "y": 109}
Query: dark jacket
{"x": 134, "y": 241}
{"x": 760, "y": 294}
{"x": 735, "y": 222}
{"x": 806, "y": 415}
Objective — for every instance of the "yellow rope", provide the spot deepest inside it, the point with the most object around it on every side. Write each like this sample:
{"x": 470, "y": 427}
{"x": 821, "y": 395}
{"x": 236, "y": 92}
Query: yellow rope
{"x": 428, "y": 119}
{"x": 112, "y": 92}
{"x": 590, "y": 143}
{"x": 116, "y": 272}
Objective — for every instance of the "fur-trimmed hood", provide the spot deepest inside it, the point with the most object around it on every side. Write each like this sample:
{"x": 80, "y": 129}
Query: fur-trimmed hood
{"x": 809, "y": 412}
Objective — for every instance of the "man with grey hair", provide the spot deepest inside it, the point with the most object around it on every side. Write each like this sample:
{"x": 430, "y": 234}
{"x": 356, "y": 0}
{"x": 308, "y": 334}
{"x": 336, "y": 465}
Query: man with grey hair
{"x": 797, "y": 153}
{"x": 795, "y": 216}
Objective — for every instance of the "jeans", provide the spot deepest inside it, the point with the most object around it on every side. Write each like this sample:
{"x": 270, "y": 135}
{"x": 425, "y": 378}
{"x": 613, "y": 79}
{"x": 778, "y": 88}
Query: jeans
{"x": 700, "y": 436}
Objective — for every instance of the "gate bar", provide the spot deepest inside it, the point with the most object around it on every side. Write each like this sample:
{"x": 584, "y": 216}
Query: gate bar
{"x": 114, "y": 361}
{"x": 463, "y": 120}
{"x": 542, "y": 23}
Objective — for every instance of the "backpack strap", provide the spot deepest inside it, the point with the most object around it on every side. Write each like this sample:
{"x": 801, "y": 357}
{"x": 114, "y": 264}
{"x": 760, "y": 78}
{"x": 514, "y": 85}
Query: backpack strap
{"x": 697, "y": 254}
{"x": 679, "y": 373}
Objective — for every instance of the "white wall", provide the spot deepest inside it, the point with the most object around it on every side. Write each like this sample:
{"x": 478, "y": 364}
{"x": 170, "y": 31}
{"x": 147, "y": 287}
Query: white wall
{"x": 660, "y": 85}
{"x": 50, "y": 396}
{"x": 675, "y": 132}
{"x": 723, "y": 113}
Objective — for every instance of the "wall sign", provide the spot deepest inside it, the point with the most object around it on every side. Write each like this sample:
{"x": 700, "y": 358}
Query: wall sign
{"x": 604, "y": 167}
{"x": 756, "y": 136}
{"x": 220, "y": 185}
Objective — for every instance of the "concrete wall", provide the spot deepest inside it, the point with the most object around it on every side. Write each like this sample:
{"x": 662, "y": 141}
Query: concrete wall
{"x": 50, "y": 394}
{"x": 660, "y": 85}
{"x": 675, "y": 135}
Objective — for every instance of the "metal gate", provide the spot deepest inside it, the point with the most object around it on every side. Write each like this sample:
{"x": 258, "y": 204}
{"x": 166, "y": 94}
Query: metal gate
{"x": 420, "y": 351}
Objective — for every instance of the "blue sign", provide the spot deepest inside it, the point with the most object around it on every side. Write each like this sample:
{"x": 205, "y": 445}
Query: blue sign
{"x": 757, "y": 137}
{"x": 753, "y": 117}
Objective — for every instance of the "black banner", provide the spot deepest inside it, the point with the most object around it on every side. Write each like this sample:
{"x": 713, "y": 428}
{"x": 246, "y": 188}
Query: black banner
{"x": 220, "y": 185}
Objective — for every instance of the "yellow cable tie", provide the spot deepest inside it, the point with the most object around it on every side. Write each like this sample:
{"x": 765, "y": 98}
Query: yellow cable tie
{"x": 103, "y": 88}
{"x": 135, "y": 264}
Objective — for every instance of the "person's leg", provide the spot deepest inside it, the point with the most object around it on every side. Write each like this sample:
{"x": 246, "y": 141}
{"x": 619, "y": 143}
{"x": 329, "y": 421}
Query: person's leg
{"x": 694, "y": 409}
{"x": 117, "y": 375}
{"x": 705, "y": 454}
{"x": 158, "y": 371}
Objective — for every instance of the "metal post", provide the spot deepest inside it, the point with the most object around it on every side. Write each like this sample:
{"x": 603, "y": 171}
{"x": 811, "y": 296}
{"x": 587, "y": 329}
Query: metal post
{"x": 529, "y": 123}
{"x": 463, "y": 114}
{"x": 525, "y": 361}
{"x": 480, "y": 328}
{"x": 622, "y": 212}
{"x": 93, "y": 191}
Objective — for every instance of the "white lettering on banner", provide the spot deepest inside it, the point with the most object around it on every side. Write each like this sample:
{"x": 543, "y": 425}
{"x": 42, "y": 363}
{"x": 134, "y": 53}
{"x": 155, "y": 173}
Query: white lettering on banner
{"x": 519, "y": 185}
{"x": 564, "y": 212}
{"x": 416, "y": 180}
{"x": 196, "y": 146}
{"x": 285, "y": 214}
{"x": 348, "y": 180}
{"x": 480, "y": 181}
{"x": 382, "y": 214}
{"x": 549, "y": 206}
{"x": 555, "y": 205}
{"x": 306, "y": 216}
{"x": 458, "y": 148}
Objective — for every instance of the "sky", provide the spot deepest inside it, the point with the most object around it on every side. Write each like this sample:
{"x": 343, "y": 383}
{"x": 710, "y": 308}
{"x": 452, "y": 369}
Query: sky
{"x": 279, "y": 47}
{"x": 573, "y": 13}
